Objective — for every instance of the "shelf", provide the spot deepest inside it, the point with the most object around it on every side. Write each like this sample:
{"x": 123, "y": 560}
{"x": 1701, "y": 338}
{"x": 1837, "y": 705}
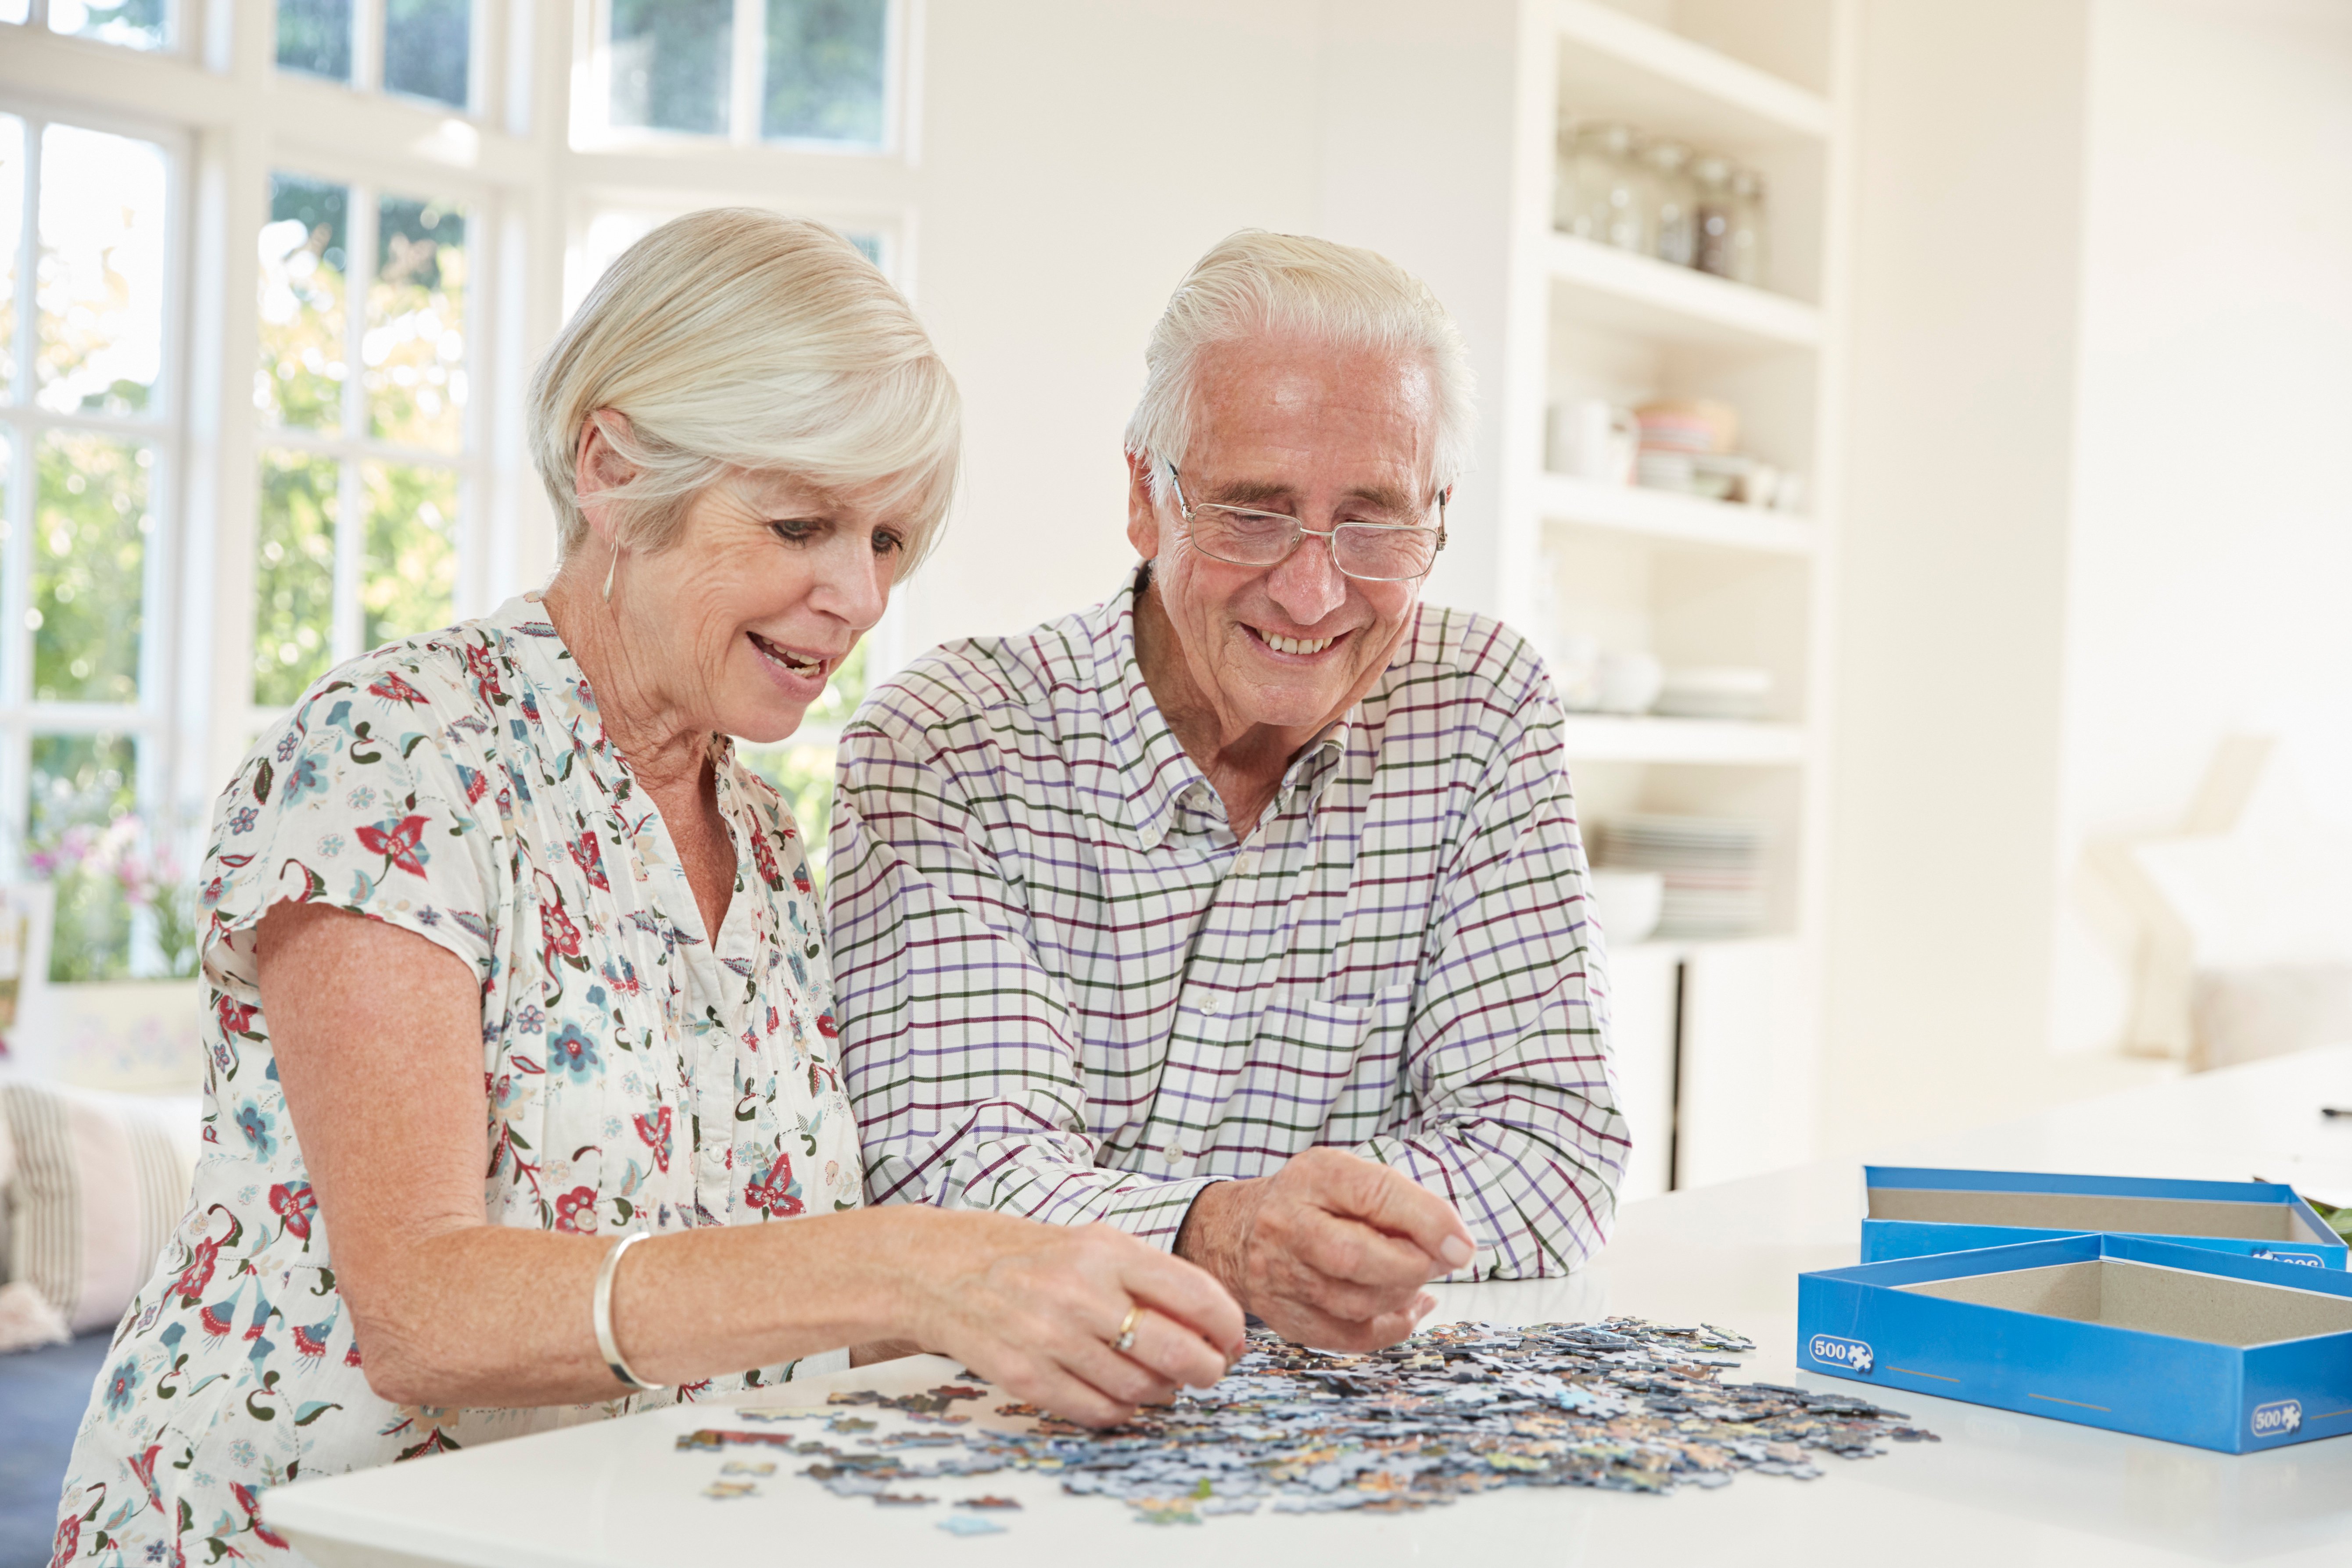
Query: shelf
{"x": 1628, "y": 292}
{"x": 1662, "y": 514}
{"x": 1615, "y": 67}
{"x": 1613, "y": 738}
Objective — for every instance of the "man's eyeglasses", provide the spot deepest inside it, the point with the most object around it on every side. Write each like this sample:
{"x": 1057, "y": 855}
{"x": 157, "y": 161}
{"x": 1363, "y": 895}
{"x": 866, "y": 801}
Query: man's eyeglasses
{"x": 1369, "y": 550}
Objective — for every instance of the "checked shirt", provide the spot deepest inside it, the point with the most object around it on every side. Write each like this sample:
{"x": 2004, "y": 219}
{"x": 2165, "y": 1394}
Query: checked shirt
{"x": 1066, "y": 990}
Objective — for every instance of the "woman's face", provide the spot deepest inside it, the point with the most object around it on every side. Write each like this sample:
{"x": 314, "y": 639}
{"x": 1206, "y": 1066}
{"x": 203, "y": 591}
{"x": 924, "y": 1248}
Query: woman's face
{"x": 767, "y": 586}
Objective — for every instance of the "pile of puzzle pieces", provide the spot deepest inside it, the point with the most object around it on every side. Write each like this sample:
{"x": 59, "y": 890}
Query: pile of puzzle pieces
{"x": 1464, "y": 1408}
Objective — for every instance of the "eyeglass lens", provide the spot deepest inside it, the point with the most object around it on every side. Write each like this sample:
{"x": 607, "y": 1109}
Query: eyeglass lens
{"x": 1359, "y": 549}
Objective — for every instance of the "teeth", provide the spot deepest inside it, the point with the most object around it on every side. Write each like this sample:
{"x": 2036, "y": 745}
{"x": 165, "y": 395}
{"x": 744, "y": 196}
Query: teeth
{"x": 789, "y": 660}
{"x": 1297, "y": 644}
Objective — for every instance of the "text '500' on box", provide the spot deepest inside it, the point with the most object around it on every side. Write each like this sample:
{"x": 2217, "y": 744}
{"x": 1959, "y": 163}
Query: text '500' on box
{"x": 1912, "y": 1211}
{"x": 2178, "y": 1343}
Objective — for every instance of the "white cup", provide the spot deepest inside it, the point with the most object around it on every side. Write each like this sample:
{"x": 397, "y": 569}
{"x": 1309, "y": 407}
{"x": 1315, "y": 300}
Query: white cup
{"x": 1594, "y": 438}
{"x": 1630, "y": 683}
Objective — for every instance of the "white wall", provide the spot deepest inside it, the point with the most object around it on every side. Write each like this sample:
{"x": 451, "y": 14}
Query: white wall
{"x": 2210, "y": 552}
{"x": 1076, "y": 157}
{"x": 1942, "y": 860}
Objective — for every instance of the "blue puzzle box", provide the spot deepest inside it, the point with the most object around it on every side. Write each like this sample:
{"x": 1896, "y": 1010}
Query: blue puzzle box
{"x": 2185, "y": 1343}
{"x": 1913, "y": 1211}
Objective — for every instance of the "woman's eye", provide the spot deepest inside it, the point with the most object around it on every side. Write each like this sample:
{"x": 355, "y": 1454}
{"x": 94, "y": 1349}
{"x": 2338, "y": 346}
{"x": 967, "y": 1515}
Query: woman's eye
{"x": 888, "y": 544}
{"x": 792, "y": 530}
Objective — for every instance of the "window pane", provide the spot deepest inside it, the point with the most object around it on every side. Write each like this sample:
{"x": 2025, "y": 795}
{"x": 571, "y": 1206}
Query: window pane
{"x": 16, "y": 10}
{"x": 412, "y": 551}
{"x": 90, "y": 553}
{"x": 294, "y": 575}
{"x": 415, "y": 348}
{"x": 79, "y": 825}
{"x": 314, "y": 36}
{"x": 12, "y": 230}
{"x": 102, "y": 271}
{"x": 670, "y": 61}
{"x": 136, "y": 24}
{"x": 825, "y": 62}
{"x": 427, "y": 46}
{"x": 300, "y": 380}
{"x": 842, "y": 693}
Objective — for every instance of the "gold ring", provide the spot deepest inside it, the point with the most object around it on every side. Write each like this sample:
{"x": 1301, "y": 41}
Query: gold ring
{"x": 1126, "y": 1340}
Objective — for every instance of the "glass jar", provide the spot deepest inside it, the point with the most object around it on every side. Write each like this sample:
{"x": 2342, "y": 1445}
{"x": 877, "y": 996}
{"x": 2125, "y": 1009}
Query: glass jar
{"x": 1673, "y": 225}
{"x": 1566, "y": 193}
{"x": 1605, "y": 174}
{"x": 1749, "y": 260}
{"x": 1713, "y": 215}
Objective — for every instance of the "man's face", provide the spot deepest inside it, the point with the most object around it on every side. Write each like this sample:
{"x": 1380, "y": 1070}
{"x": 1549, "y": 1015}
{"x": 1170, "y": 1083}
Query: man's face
{"x": 1328, "y": 436}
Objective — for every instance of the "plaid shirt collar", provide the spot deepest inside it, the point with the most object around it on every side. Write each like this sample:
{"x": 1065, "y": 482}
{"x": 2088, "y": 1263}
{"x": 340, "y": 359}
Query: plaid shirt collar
{"x": 1153, "y": 763}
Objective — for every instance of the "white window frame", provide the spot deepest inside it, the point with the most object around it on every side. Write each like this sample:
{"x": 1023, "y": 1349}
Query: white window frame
{"x": 592, "y": 95}
{"x": 366, "y": 186}
{"x": 147, "y": 723}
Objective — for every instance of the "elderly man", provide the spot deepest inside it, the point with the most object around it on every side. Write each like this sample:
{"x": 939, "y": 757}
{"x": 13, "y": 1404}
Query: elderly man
{"x": 1245, "y": 910}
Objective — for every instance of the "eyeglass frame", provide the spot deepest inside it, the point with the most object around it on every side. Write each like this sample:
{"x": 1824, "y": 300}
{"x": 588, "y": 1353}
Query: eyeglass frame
{"x": 1300, "y": 533}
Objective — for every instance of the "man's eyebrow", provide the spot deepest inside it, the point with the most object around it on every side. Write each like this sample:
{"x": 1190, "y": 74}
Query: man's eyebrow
{"x": 1258, "y": 492}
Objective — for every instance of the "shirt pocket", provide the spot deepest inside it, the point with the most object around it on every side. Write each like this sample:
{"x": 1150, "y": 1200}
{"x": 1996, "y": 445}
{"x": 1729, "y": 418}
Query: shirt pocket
{"x": 1327, "y": 1072}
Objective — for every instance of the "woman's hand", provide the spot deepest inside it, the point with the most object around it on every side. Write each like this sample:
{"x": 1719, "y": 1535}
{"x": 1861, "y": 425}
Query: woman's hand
{"x": 1035, "y": 1308}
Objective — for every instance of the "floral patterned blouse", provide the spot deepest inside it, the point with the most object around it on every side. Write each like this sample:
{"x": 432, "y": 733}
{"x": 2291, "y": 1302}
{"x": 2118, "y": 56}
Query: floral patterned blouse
{"x": 638, "y": 1076}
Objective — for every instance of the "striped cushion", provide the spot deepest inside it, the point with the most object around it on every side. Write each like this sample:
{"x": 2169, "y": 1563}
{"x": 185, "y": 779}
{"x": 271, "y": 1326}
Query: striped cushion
{"x": 99, "y": 1184}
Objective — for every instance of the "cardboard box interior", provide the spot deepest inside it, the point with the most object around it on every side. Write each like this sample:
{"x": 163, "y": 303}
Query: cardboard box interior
{"x": 2090, "y": 1211}
{"x": 2213, "y": 1308}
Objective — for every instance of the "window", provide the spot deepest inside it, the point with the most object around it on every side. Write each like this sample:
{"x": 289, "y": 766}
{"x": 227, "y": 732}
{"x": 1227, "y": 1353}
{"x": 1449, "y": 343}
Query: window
{"x": 810, "y": 71}
{"x": 420, "y": 49}
{"x": 362, "y": 388}
{"x": 87, "y": 452}
{"x": 133, "y": 24}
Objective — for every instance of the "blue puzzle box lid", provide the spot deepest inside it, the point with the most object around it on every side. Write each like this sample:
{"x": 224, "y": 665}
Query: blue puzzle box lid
{"x": 2184, "y": 1343}
{"x": 1912, "y": 1211}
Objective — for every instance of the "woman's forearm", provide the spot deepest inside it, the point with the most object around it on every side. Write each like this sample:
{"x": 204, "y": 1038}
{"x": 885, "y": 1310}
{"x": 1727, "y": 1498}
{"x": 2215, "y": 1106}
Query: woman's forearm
{"x": 488, "y": 1315}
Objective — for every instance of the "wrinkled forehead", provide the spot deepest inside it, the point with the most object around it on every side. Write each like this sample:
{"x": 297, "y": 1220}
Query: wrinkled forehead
{"x": 1303, "y": 412}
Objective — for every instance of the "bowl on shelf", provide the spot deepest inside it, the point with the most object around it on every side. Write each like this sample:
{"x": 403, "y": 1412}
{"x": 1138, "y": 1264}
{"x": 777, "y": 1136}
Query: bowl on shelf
{"x": 1726, "y": 692}
{"x": 1629, "y": 902}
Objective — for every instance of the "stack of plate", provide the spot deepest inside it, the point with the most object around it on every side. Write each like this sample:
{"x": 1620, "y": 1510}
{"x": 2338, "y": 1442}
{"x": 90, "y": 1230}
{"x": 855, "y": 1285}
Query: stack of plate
{"x": 1713, "y": 867}
{"x": 1742, "y": 693}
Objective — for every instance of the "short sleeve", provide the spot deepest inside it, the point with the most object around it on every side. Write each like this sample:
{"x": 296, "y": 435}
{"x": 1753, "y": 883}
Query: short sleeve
{"x": 357, "y": 799}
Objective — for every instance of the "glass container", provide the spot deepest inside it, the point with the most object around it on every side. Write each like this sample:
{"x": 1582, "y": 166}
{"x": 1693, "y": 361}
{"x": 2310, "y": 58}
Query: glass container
{"x": 1750, "y": 258}
{"x": 1713, "y": 215}
{"x": 1673, "y": 225}
{"x": 1603, "y": 186}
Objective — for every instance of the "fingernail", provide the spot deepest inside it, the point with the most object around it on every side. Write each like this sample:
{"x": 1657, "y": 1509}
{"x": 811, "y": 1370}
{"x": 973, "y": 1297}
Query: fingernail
{"x": 1456, "y": 1251}
{"x": 1423, "y": 1307}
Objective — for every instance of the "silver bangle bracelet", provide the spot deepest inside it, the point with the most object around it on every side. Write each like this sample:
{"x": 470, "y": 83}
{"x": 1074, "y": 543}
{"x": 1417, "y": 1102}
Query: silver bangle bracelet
{"x": 606, "y": 1345}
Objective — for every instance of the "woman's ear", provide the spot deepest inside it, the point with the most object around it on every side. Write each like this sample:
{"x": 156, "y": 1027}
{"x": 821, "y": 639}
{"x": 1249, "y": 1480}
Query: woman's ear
{"x": 598, "y": 467}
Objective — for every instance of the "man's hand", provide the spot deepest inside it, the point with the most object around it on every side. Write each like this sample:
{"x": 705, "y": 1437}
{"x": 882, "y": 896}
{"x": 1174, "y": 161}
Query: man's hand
{"x": 1331, "y": 1250}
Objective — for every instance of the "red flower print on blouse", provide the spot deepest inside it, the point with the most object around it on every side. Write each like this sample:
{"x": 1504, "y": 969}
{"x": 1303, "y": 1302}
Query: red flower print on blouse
{"x": 768, "y": 1190}
{"x": 484, "y": 667}
{"x": 654, "y": 1130}
{"x": 235, "y": 1015}
{"x": 826, "y": 1027}
{"x": 248, "y": 1500}
{"x": 763, "y": 855}
{"x": 392, "y": 688}
{"x": 397, "y": 843}
{"x": 69, "y": 1542}
{"x": 295, "y": 1203}
{"x": 557, "y": 929}
{"x": 199, "y": 1272}
{"x": 575, "y": 1211}
{"x": 589, "y": 856}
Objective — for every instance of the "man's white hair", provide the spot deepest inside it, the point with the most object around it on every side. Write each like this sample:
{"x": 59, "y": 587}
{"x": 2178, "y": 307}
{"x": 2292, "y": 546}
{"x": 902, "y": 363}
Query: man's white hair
{"x": 733, "y": 339}
{"x": 1255, "y": 284}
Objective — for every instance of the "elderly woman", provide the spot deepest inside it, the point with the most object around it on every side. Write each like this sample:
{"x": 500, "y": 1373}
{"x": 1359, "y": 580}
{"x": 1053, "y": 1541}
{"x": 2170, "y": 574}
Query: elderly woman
{"x": 515, "y": 964}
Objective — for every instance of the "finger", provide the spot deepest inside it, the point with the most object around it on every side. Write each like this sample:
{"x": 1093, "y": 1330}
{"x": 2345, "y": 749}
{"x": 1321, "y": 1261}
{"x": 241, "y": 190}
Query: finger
{"x": 1174, "y": 1354}
{"x": 1053, "y": 1388}
{"x": 1388, "y": 1200}
{"x": 1114, "y": 1376}
{"x": 1341, "y": 1246}
{"x": 1187, "y": 1293}
{"x": 1302, "y": 1323}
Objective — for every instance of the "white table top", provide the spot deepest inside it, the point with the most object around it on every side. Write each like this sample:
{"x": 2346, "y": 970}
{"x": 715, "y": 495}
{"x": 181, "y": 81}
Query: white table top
{"x": 1998, "y": 1488}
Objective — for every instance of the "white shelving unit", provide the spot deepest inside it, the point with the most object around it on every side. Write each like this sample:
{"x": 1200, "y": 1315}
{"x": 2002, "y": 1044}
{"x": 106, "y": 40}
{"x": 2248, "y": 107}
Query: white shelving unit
{"x": 1717, "y": 1040}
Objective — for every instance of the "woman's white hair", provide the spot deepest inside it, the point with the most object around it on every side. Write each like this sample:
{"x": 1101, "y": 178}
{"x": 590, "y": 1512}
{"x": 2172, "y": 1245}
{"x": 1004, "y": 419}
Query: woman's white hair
{"x": 733, "y": 339}
{"x": 1255, "y": 284}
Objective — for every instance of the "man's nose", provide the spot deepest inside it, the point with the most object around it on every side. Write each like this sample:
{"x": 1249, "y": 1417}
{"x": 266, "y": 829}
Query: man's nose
{"x": 1308, "y": 585}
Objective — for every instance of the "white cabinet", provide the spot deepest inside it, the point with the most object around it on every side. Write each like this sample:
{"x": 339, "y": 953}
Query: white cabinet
{"x": 1749, "y": 1061}
{"x": 1642, "y": 985}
